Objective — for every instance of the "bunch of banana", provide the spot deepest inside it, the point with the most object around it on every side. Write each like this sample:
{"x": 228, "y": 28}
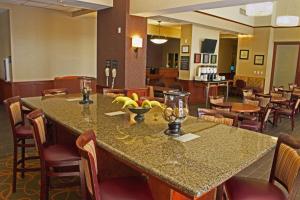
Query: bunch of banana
{"x": 136, "y": 102}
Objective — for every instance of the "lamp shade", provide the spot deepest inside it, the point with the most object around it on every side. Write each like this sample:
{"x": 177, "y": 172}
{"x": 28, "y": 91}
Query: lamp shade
{"x": 158, "y": 40}
{"x": 286, "y": 20}
{"x": 137, "y": 42}
{"x": 259, "y": 9}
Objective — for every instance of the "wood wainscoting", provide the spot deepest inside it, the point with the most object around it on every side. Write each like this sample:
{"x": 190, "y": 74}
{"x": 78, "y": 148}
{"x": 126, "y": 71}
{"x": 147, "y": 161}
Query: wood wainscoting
{"x": 23, "y": 89}
{"x": 31, "y": 88}
{"x": 197, "y": 90}
{"x": 5, "y": 90}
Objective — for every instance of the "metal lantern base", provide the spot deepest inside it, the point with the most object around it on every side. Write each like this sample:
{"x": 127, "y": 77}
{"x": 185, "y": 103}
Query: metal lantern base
{"x": 174, "y": 129}
{"x": 86, "y": 99}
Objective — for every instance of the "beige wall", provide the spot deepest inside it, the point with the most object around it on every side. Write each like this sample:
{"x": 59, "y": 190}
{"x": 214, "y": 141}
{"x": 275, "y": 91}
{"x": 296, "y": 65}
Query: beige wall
{"x": 257, "y": 45}
{"x": 285, "y": 65}
{"x": 48, "y": 43}
{"x": 4, "y": 39}
{"x": 227, "y": 54}
{"x": 287, "y": 34}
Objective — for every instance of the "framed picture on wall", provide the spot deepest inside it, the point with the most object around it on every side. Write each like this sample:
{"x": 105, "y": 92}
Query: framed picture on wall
{"x": 197, "y": 58}
{"x": 244, "y": 54}
{"x": 213, "y": 59}
{"x": 185, "y": 49}
{"x": 205, "y": 58}
{"x": 259, "y": 59}
{"x": 184, "y": 63}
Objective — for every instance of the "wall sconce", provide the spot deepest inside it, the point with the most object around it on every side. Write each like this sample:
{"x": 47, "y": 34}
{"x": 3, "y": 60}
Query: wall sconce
{"x": 137, "y": 42}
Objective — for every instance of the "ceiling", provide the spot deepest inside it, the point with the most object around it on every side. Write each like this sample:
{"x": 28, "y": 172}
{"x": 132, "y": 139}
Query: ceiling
{"x": 61, "y": 5}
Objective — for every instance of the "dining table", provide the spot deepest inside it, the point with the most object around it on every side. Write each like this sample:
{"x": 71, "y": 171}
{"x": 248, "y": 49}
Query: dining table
{"x": 176, "y": 168}
{"x": 239, "y": 107}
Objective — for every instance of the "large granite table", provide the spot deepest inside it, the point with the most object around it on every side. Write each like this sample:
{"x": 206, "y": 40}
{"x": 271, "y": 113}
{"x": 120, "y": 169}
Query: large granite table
{"x": 192, "y": 168}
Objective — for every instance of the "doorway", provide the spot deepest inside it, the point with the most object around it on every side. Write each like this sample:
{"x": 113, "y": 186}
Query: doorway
{"x": 286, "y": 64}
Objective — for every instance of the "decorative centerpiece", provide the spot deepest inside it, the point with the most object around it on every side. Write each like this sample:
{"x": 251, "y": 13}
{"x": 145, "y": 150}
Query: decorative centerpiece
{"x": 176, "y": 111}
{"x": 136, "y": 105}
{"x": 86, "y": 90}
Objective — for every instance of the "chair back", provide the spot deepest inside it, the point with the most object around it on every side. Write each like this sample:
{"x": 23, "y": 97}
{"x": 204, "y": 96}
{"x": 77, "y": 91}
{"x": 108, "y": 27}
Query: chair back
{"x": 296, "y": 89}
{"x": 277, "y": 89}
{"x": 286, "y": 164}
{"x": 263, "y": 99}
{"x": 218, "y": 118}
{"x": 38, "y": 121}
{"x": 55, "y": 92}
{"x": 14, "y": 109}
{"x": 292, "y": 86}
{"x": 113, "y": 92}
{"x": 86, "y": 146}
{"x": 248, "y": 93}
{"x": 251, "y": 102}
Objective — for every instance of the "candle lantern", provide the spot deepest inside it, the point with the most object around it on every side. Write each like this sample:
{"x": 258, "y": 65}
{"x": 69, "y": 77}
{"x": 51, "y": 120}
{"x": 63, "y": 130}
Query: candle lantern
{"x": 176, "y": 110}
{"x": 86, "y": 89}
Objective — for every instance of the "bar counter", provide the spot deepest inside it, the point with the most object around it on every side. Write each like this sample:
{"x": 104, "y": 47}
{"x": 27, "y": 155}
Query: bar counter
{"x": 192, "y": 168}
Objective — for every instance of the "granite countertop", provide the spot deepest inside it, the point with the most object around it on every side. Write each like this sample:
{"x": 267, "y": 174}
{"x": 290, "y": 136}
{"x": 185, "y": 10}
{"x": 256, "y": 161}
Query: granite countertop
{"x": 193, "y": 167}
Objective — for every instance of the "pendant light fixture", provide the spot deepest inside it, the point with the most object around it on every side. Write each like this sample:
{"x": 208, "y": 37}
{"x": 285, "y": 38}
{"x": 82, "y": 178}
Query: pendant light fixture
{"x": 259, "y": 9}
{"x": 287, "y": 20}
{"x": 158, "y": 39}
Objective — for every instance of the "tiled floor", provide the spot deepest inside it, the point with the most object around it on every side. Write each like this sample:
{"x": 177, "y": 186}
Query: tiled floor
{"x": 260, "y": 169}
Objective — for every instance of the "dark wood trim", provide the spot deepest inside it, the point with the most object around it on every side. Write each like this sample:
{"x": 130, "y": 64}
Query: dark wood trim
{"x": 240, "y": 23}
{"x": 5, "y": 90}
{"x": 229, "y": 20}
{"x": 276, "y": 44}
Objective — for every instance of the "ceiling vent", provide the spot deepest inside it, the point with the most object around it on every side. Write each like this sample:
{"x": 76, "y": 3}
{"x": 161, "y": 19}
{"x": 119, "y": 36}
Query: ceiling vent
{"x": 243, "y": 11}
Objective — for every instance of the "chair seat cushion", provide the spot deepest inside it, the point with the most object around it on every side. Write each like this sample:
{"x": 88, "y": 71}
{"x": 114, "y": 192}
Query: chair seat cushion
{"x": 60, "y": 153}
{"x": 238, "y": 188}
{"x": 129, "y": 188}
{"x": 24, "y": 131}
{"x": 251, "y": 125}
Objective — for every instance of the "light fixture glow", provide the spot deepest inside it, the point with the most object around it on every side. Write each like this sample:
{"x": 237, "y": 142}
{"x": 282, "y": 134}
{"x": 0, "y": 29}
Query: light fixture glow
{"x": 286, "y": 20}
{"x": 137, "y": 42}
{"x": 158, "y": 39}
{"x": 259, "y": 9}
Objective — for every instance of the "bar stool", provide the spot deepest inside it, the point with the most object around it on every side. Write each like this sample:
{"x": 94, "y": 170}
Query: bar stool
{"x": 53, "y": 157}
{"x": 21, "y": 134}
{"x": 133, "y": 188}
{"x": 285, "y": 170}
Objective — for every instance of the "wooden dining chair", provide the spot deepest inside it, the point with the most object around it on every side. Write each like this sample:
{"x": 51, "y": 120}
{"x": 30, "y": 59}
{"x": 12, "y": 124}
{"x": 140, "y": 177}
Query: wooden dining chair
{"x": 113, "y": 92}
{"x": 215, "y": 100}
{"x": 288, "y": 112}
{"x": 285, "y": 171}
{"x": 221, "y": 117}
{"x": 55, "y": 92}
{"x": 133, "y": 188}
{"x": 56, "y": 160}
{"x": 22, "y": 133}
{"x": 264, "y": 99}
{"x": 259, "y": 125}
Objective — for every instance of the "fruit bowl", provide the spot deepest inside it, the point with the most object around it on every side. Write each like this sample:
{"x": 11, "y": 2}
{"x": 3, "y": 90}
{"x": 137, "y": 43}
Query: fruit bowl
{"x": 139, "y": 111}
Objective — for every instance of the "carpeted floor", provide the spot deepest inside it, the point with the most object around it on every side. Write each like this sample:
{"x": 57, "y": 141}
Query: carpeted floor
{"x": 28, "y": 188}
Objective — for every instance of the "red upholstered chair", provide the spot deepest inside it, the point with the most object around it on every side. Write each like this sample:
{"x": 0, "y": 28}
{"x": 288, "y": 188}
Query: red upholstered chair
{"x": 53, "y": 157}
{"x": 260, "y": 125}
{"x": 285, "y": 171}
{"x": 21, "y": 134}
{"x": 133, "y": 188}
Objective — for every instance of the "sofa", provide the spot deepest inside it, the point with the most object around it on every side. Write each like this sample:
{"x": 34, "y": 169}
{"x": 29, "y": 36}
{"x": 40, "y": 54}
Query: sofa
{"x": 240, "y": 83}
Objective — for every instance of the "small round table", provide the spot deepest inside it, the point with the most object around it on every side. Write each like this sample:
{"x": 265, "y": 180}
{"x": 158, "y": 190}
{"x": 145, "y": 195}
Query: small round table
{"x": 239, "y": 107}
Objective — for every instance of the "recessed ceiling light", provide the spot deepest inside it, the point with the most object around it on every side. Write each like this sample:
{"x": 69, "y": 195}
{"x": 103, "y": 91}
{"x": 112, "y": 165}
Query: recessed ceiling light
{"x": 286, "y": 20}
{"x": 259, "y": 9}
